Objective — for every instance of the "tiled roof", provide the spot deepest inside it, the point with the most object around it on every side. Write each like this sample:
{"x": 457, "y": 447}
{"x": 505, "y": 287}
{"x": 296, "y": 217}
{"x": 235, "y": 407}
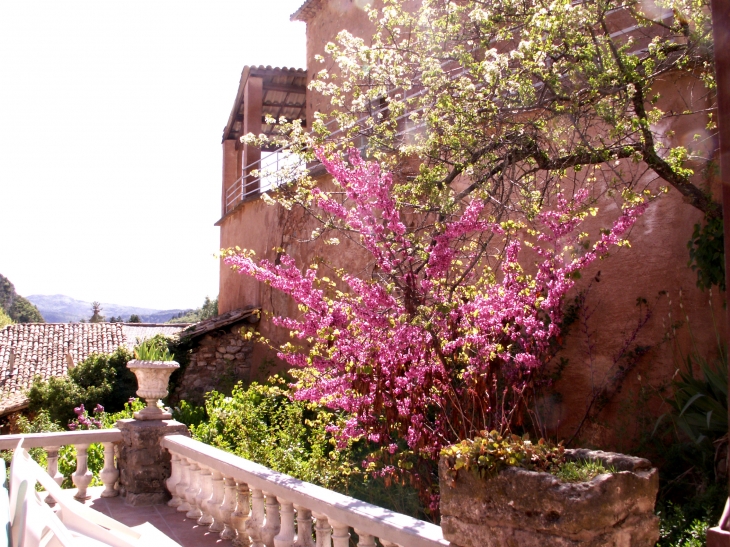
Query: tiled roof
{"x": 307, "y": 10}
{"x": 40, "y": 349}
{"x": 220, "y": 321}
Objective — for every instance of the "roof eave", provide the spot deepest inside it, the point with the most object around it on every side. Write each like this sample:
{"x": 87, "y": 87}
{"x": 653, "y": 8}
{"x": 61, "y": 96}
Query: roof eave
{"x": 239, "y": 97}
{"x": 306, "y": 11}
{"x": 247, "y": 72}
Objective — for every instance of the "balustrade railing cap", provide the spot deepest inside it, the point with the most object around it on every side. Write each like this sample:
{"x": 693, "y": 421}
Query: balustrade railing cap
{"x": 62, "y": 438}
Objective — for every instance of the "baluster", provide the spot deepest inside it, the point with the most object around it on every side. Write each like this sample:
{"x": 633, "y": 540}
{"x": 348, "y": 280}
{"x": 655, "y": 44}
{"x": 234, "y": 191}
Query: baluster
{"x": 340, "y": 534}
{"x": 82, "y": 476}
{"x": 239, "y": 517}
{"x": 227, "y": 508}
{"x": 304, "y": 527}
{"x": 215, "y": 501}
{"x": 182, "y": 486}
{"x": 109, "y": 474}
{"x": 285, "y": 537}
{"x": 206, "y": 489}
{"x": 255, "y": 523}
{"x": 52, "y": 468}
{"x": 192, "y": 492}
{"x": 273, "y": 520}
{"x": 322, "y": 530}
{"x": 174, "y": 479}
{"x": 366, "y": 540}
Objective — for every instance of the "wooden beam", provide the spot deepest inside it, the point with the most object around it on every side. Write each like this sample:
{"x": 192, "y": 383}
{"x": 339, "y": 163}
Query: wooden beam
{"x": 285, "y": 105}
{"x": 252, "y": 116}
{"x": 286, "y": 88}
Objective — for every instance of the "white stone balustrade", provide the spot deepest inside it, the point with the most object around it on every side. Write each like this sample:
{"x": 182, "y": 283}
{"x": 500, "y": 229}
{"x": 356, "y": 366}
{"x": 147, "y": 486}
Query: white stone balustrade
{"x": 109, "y": 474}
{"x": 81, "y": 478}
{"x": 182, "y": 485}
{"x": 193, "y": 491}
{"x": 284, "y": 511}
{"x": 206, "y": 490}
{"x": 240, "y": 516}
{"x": 173, "y": 480}
{"x": 52, "y": 467}
{"x": 215, "y": 502}
{"x": 255, "y": 523}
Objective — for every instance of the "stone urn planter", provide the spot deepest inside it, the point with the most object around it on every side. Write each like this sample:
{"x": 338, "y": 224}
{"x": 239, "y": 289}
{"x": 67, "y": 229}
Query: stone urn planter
{"x": 152, "y": 381}
{"x": 517, "y": 507}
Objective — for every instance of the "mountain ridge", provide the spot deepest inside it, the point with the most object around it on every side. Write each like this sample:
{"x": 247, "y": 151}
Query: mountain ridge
{"x": 59, "y": 308}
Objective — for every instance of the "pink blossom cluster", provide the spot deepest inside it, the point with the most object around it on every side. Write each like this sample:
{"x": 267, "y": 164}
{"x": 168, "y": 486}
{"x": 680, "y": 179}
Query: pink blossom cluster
{"x": 84, "y": 421}
{"x": 432, "y": 352}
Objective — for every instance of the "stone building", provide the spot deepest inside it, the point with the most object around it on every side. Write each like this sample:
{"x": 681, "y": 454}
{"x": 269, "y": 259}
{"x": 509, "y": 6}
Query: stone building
{"x": 219, "y": 355}
{"x": 653, "y": 270}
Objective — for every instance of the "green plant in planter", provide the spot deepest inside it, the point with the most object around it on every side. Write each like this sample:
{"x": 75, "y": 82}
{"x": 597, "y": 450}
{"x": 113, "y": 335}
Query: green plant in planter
{"x": 152, "y": 350}
{"x": 582, "y": 470}
{"x": 489, "y": 454}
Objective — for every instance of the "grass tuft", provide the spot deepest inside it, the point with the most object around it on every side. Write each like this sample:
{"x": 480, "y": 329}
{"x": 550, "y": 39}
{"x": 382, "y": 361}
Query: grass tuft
{"x": 581, "y": 470}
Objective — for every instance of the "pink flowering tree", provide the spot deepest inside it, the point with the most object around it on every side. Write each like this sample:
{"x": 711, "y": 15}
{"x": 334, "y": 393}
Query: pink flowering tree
{"x": 447, "y": 336}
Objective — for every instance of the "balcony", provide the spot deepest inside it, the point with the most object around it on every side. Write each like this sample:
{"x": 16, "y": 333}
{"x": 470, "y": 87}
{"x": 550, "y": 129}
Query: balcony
{"x": 280, "y": 167}
{"x": 270, "y": 169}
{"x": 215, "y": 498}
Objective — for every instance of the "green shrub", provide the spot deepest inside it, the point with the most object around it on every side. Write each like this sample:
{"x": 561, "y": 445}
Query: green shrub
{"x": 678, "y": 529}
{"x": 691, "y": 494}
{"x": 263, "y": 424}
{"x": 189, "y": 414}
{"x": 700, "y": 403}
{"x": 100, "y": 379}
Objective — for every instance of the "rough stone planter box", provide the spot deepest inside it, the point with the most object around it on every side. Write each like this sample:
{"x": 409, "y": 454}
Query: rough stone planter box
{"x": 524, "y": 508}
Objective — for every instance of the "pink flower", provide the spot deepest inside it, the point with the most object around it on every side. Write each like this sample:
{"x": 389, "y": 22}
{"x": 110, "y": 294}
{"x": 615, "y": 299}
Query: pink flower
{"x": 438, "y": 340}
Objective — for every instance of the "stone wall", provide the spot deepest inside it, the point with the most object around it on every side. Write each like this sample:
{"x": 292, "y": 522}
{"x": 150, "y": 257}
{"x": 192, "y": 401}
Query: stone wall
{"x": 143, "y": 464}
{"x": 521, "y": 508}
{"x": 219, "y": 359}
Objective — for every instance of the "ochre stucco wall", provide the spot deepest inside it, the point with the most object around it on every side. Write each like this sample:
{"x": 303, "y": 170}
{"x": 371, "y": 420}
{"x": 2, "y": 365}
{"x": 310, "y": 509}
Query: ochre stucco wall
{"x": 654, "y": 268}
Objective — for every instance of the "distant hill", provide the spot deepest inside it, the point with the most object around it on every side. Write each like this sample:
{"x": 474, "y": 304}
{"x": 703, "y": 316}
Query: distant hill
{"x": 17, "y": 307}
{"x": 64, "y": 309}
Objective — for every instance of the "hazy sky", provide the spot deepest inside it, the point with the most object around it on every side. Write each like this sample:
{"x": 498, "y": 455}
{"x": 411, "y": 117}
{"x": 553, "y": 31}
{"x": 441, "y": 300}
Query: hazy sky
{"x": 111, "y": 114}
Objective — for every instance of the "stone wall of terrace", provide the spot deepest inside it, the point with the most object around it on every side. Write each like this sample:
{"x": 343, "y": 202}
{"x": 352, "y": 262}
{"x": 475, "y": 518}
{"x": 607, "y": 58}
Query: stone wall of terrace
{"x": 219, "y": 360}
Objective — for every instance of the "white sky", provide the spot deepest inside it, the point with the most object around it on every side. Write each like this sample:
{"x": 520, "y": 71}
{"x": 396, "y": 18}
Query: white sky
{"x": 111, "y": 114}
